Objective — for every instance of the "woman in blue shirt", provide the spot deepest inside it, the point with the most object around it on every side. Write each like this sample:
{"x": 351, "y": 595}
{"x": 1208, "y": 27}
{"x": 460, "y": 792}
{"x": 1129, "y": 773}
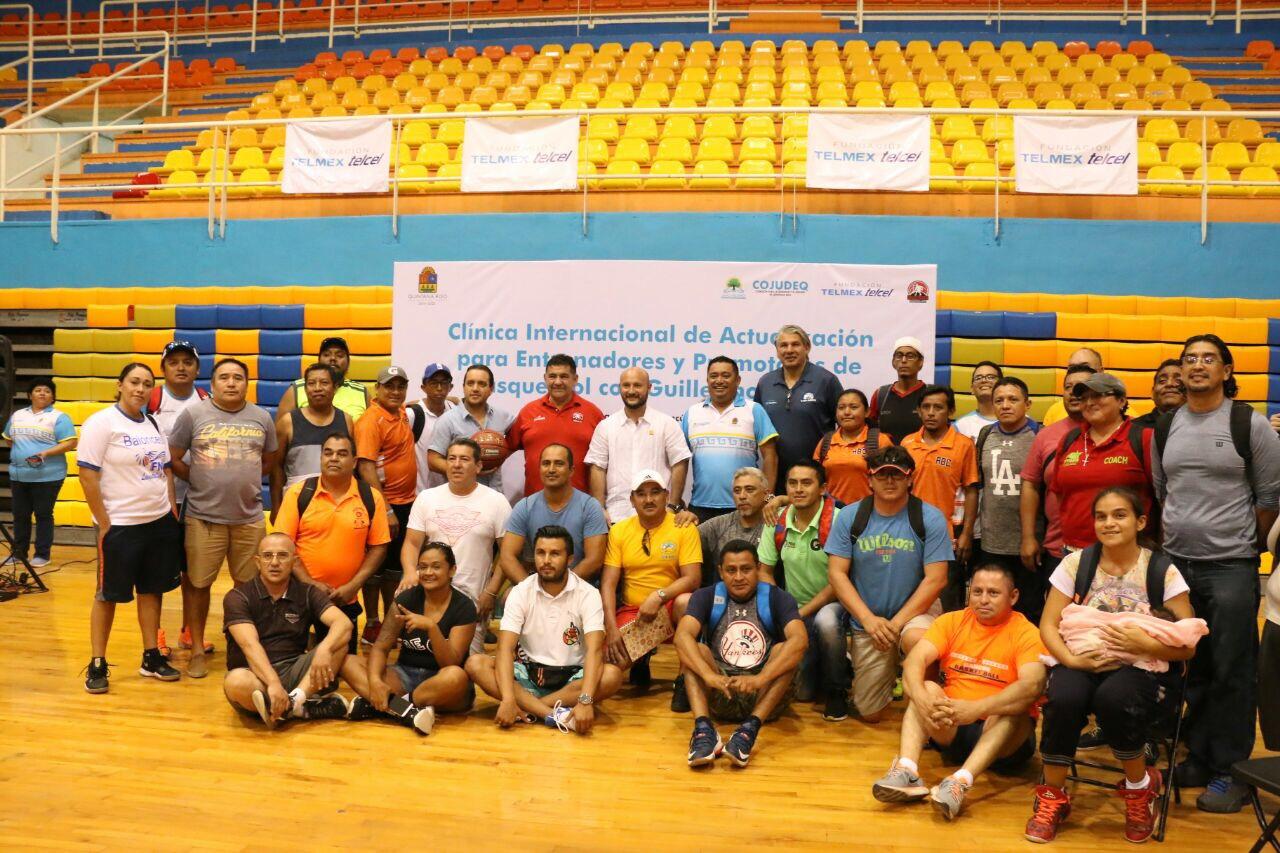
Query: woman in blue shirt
{"x": 41, "y": 437}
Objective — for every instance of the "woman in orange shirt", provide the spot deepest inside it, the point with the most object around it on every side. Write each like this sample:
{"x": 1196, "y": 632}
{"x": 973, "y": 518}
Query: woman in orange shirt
{"x": 843, "y": 452}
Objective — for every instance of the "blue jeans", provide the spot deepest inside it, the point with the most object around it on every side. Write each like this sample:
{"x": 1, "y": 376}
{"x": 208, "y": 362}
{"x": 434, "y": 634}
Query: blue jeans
{"x": 825, "y": 667}
{"x": 1222, "y": 696}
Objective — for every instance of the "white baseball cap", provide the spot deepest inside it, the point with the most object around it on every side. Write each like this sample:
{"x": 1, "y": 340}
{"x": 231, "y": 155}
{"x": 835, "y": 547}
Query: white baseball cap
{"x": 647, "y": 475}
{"x": 908, "y": 341}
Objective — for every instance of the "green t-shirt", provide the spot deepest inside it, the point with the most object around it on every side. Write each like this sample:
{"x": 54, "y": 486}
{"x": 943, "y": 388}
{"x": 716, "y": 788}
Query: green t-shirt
{"x": 803, "y": 559}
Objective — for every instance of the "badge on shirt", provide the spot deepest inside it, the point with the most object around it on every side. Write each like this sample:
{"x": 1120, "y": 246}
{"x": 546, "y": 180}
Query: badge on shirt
{"x": 667, "y": 550}
{"x": 571, "y": 635}
{"x": 576, "y": 417}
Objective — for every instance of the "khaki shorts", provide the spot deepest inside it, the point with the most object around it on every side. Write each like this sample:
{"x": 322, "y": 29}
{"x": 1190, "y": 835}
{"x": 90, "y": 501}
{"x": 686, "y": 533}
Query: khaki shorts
{"x": 875, "y": 671}
{"x": 208, "y": 544}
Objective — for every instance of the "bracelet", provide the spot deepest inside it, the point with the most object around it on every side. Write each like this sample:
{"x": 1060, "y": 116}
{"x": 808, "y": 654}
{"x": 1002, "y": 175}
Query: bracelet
{"x": 487, "y": 592}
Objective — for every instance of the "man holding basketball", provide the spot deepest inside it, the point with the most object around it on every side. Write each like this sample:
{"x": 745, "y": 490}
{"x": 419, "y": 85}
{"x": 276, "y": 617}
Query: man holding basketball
{"x": 473, "y": 417}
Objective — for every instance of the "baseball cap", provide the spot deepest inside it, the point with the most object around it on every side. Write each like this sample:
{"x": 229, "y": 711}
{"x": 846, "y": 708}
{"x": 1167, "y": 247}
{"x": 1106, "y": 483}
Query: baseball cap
{"x": 335, "y": 341}
{"x": 388, "y": 373}
{"x": 179, "y": 346}
{"x": 1101, "y": 383}
{"x": 436, "y": 367}
{"x": 892, "y": 458}
{"x": 647, "y": 475}
{"x": 908, "y": 341}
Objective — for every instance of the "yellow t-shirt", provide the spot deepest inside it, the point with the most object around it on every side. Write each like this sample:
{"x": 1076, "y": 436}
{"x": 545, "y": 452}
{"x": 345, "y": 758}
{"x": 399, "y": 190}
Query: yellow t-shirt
{"x": 669, "y": 548}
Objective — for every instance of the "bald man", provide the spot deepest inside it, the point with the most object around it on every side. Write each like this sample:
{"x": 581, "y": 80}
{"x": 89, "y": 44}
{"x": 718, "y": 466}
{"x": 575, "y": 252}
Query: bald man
{"x": 270, "y": 673}
{"x": 1084, "y": 355}
{"x": 630, "y": 441}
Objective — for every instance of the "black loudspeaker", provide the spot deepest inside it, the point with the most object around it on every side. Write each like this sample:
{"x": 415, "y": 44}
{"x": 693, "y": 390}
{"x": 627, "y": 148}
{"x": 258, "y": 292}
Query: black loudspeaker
{"x": 8, "y": 384}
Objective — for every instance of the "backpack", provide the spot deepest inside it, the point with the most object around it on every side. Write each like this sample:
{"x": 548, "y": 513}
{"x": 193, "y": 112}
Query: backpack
{"x": 878, "y": 400}
{"x": 308, "y": 492}
{"x": 825, "y": 516}
{"x": 1157, "y": 567}
{"x": 872, "y": 445}
{"x": 157, "y": 397}
{"x": 720, "y": 603}
{"x": 419, "y": 424}
{"x": 862, "y": 517}
{"x": 1241, "y": 427}
{"x": 1135, "y": 443}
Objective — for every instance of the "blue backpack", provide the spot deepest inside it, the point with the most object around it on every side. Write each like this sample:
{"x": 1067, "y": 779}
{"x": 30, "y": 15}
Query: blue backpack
{"x": 720, "y": 603}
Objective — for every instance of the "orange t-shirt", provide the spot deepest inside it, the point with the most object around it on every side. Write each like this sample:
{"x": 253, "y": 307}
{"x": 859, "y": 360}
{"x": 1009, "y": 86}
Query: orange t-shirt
{"x": 976, "y": 660}
{"x": 942, "y": 468}
{"x": 335, "y": 532}
{"x": 387, "y": 439}
{"x": 846, "y": 465}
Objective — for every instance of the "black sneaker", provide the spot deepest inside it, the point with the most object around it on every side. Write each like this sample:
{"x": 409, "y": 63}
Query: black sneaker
{"x": 705, "y": 745}
{"x": 640, "y": 675}
{"x": 330, "y": 707}
{"x": 154, "y": 665}
{"x": 837, "y": 708}
{"x": 1092, "y": 739}
{"x": 96, "y": 682}
{"x": 743, "y": 741}
{"x": 1192, "y": 774}
{"x": 679, "y": 697}
{"x": 362, "y": 709}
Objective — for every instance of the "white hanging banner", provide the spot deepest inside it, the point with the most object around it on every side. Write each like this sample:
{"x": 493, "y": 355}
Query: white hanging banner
{"x": 1086, "y": 155}
{"x": 337, "y": 156}
{"x": 520, "y": 154}
{"x": 873, "y": 152}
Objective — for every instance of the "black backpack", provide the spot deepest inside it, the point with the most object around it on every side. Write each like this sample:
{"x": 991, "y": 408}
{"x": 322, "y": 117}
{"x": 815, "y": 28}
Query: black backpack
{"x": 308, "y": 492}
{"x": 419, "y": 420}
{"x": 1241, "y": 427}
{"x": 1157, "y": 567}
{"x": 872, "y": 445}
{"x": 862, "y": 517}
{"x": 1135, "y": 443}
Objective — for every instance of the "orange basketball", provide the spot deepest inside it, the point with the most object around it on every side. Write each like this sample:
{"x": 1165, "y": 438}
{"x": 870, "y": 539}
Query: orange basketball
{"x": 493, "y": 449}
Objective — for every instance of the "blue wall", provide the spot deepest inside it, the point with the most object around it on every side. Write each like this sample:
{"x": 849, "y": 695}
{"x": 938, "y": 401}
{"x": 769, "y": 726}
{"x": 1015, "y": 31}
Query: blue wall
{"x": 1056, "y": 256}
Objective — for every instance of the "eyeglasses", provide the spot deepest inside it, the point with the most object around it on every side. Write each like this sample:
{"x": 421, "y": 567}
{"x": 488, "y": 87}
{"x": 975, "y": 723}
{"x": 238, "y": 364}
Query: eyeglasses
{"x": 1207, "y": 360}
{"x": 888, "y": 476}
{"x": 978, "y": 379}
{"x": 275, "y": 556}
{"x": 906, "y": 356}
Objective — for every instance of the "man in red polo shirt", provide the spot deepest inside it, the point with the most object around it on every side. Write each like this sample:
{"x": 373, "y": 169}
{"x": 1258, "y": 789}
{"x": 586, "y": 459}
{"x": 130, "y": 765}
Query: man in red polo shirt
{"x": 559, "y": 417}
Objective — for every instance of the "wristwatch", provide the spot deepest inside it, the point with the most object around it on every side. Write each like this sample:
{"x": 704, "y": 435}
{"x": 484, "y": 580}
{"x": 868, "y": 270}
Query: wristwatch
{"x": 585, "y": 699}
{"x": 677, "y": 507}
{"x": 662, "y": 595}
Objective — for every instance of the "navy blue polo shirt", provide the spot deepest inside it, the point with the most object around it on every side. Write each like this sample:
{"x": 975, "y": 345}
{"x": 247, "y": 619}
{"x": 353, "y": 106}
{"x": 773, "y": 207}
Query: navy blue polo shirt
{"x": 801, "y": 414}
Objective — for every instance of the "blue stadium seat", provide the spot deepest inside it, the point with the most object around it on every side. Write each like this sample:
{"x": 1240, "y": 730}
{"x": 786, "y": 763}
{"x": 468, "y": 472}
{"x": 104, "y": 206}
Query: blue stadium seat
{"x": 1273, "y": 389}
{"x": 271, "y": 342}
{"x": 196, "y": 317}
{"x": 1273, "y": 331}
{"x": 1273, "y": 361}
{"x": 977, "y": 324}
{"x": 282, "y": 316}
{"x": 239, "y": 316}
{"x": 271, "y": 408}
{"x": 942, "y": 350}
{"x": 1035, "y": 326}
{"x": 942, "y": 326}
{"x": 269, "y": 393}
{"x": 203, "y": 381}
{"x": 279, "y": 368}
{"x": 203, "y": 337}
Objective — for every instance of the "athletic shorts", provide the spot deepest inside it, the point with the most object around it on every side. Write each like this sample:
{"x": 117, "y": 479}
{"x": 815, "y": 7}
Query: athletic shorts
{"x": 523, "y": 679}
{"x": 957, "y": 752}
{"x": 628, "y": 613}
{"x": 143, "y": 557}
{"x": 736, "y": 708}
{"x": 875, "y": 670}
{"x": 209, "y": 543}
{"x": 292, "y": 672}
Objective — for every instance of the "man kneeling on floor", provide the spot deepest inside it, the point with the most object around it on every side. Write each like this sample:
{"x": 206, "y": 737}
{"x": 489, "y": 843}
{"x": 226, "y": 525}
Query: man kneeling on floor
{"x": 550, "y": 661}
{"x": 267, "y": 622}
{"x": 740, "y": 643}
{"x": 981, "y": 715}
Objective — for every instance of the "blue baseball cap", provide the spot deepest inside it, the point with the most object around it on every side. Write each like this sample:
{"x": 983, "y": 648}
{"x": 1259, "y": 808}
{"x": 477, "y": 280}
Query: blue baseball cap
{"x": 436, "y": 367}
{"x": 180, "y": 346}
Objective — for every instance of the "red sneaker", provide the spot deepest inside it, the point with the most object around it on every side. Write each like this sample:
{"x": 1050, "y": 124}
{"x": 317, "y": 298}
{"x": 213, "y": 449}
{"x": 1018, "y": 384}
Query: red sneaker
{"x": 371, "y": 631}
{"x": 1140, "y": 807}
{"x": 184, "y": 640}
{"x": 162, "y": 643}
{"x": 1052, "y": 806}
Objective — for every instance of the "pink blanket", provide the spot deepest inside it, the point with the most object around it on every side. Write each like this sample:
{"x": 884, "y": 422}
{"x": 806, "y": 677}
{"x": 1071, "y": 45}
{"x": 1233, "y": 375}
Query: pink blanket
{"x": 1081, "y": 629}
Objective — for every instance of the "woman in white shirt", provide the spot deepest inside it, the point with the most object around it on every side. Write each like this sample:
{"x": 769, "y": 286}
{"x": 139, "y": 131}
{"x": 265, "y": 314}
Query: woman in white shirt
{"x": 124, "y": 469}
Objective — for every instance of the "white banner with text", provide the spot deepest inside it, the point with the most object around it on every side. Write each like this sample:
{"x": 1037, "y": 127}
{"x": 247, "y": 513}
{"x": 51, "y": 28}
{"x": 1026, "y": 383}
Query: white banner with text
{"x": 520, "y": 154}
{"x": 1089, "y": 155}
{"x": 337, "y": 156}
{"x": 873, "y": 152}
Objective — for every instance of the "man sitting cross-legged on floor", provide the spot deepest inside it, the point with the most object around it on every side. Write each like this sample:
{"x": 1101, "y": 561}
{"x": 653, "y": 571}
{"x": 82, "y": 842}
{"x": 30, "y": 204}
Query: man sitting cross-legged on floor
{"x": 433, "y": 624}
{"x": 989, "y": 657}
{"x": 268, "y": 620}
{"x": 740, "y": 643}
{"x": 550, "y": 660}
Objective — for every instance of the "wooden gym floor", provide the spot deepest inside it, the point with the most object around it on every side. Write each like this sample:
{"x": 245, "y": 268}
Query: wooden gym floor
{"x": 171, "y": 766}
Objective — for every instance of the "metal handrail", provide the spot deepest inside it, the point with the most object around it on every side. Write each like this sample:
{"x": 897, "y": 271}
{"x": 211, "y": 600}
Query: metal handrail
{"x": 29, "y": 58}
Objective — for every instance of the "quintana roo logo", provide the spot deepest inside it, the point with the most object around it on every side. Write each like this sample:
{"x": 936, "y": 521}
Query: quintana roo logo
{"x": 428, "y": 281}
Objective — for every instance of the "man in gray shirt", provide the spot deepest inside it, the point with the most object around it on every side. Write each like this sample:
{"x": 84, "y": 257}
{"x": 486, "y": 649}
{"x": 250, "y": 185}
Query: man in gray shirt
{"x": 1215, "y": 510}
{"x": 466, "y": 420}
{"x": 232, "y": 443}
{"x": 750, "y": 491}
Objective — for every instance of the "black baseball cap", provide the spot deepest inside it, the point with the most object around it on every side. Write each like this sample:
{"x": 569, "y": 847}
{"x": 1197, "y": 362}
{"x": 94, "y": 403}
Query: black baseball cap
{"x": 179, "y": 346}
{"x": 335, "y": 341}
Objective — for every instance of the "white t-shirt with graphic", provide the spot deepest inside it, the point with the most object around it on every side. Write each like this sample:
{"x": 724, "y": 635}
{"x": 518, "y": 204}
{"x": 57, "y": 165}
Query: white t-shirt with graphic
{"x": 470, "y": 524}
{"x": 1124, "y": 594}
{"x": 133, "y": 457}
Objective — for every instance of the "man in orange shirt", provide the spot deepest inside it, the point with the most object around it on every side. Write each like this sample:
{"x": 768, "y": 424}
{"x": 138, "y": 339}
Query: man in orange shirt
{"x": 989, "y": 658}
{"x": 946, "y": 461}
{"x": 339, "y": 526}
{"x": 387, "y": 462}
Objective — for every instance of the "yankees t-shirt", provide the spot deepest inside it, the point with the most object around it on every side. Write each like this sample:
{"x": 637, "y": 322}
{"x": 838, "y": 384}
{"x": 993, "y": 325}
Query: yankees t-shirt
{"x": 470, "y": 524}
{"x": 740, "y": 643}
{"x": 415, "y": 646}
{"x": 1003, "y": 456}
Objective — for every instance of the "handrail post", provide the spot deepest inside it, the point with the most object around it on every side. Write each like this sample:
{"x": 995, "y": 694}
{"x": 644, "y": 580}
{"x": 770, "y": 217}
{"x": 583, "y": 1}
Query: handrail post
{"x": 1144, "y": 17}
{"x": 280, "y": 6}
{"x": 164, "y": 84}
{"x": 135, "y": 25}
{"x": 395, "y": 182}
{"x": 1239, "y": 12}
{"x": 102, "y": 23}
{"x": 1213, "y": 13}
{"x": 57, "y": 175}
{"x": 31, "y": 58}
{"x": 355, "y": 26}
{"x": 253, "y": 27}
{"x": 94, "y": 141}
{"x": 449, "y": 6}
{"x": 1204, "y": 179}
{"x": 333, "y": 11}
{"x": 175, "y": 19}
{"x": 224, "y": 172}
{"x": 1124, "y": 13}
{"x": 996, "y": 233}
{"x": 206, "y": 30}
{"x": 860, "y": 11}
{"x": 70, "y": 48}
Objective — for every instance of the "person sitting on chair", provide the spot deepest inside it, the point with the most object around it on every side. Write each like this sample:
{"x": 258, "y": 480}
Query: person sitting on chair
{"x": 1116, "y": 575}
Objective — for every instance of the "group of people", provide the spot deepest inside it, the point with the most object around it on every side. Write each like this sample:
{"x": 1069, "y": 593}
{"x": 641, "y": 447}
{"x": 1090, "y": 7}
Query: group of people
{"x": 1000, "y": 575}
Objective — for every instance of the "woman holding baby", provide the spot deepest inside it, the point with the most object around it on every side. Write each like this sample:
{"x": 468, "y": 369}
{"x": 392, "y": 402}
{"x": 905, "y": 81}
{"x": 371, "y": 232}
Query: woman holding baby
{"x": 1112, "y": 645}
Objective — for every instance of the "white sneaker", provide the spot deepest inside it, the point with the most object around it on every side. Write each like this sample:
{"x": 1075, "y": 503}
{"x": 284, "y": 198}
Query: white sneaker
{"x": 38, "y": 562}
{"x": 424, "y": 719}
{"x": 562, "y": 718}
{"x": 9, "y": 561}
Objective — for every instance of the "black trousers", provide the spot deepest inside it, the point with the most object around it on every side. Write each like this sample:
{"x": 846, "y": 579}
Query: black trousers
{"x": 1125, "y": 702}
{"x": 33, "y": 499}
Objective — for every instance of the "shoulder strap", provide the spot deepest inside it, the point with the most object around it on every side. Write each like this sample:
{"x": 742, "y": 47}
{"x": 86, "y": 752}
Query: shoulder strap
{"x": 825, "y": 448}
{"x": 719, "y": 601}
{"x": 983, "y": 434}
{"x": 1241, "y": 429}
{"x": 764, "y": 607}
{"x": 147, "y": 415}
{"x": 366, "y": 496}
{"x": 861, "y": 518}
{"x": 419, "y": 420}
{"x": 308, "y": 492}
{"x": 1161, "y": 437}
{"x": 882, "y": 394}
{"x": 1157, "y": 568}
{"x": 1136, "y": 432}
{"x": 915, "y": 515}
{"x": 873, "y": 441}
{"x": 780, "y": 532}
{"x": 825, "y": 518}
{"x": 1085, "y": 571}
{"x": 153, "y": 403}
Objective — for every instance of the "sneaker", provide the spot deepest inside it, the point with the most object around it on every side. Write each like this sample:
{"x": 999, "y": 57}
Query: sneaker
{"x": 742, "y": 741}
{"x": 837, "y": 707}
{"x": 154, "y": 665}
{"x": 1140, "y": 807}
{"x": 1223, "y": 795}
{"x": 423, "y": 719}
{"x": 361, "y": 709}
{"x": 705, "y": 746}
{"x": 898, "y": 690}
{"x": 11, "y": 560}
{"x": 680, "y": 697}
{"x": 38, "y": 562}
{"x": 263, "y": 706}
{"x": 162, "y": 643}
{"x": 899, "y": 785}
{"x": 1092, "y": 739}
{"x": 561, "y": 718}
{"x": 639, "y": 676}
{"x": 371, "y": 631}
{"x": 948, "y": 796}
{"x": 330, "y": 707}
{"x": 1052, "y": 805}
{"x": 184, "y": 641}
{"x": 1191, "y": 774}
{"x": 98, "y": 673}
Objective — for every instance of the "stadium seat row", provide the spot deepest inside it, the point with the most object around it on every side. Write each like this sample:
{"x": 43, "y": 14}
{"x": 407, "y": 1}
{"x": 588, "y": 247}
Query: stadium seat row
{"x": 364, "y": 368}
{"x": 1122, "y": 356}
{"x": 1090, "y": 325}
{"x": 247, "y": 340}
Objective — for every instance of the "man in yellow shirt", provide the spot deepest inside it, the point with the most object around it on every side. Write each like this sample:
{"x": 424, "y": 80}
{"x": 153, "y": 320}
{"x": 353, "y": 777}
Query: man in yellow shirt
{"x": 649, "y": 563}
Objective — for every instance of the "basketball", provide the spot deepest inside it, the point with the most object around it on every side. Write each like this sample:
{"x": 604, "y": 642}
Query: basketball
{"x": 493, "y": 449}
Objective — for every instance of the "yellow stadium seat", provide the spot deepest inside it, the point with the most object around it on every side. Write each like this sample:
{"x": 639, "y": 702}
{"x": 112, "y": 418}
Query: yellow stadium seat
{"x": 794, "y": 149}
{"x": 1184, "y": 155}
{"x": 1261, "y": 173}
{"x": 966, "y": 151}
{"x": 113, "y": 340}
{"x": 409, "y": 175}
{"x": 237, "y": 341}
{"x": 1195, "y": 92}
{"x": 939, "y": 171}
{"x": 1148, "y": 154}
{"x": 958, "y": 127}
{"x": 710, "y": 174}
{"x": 1161, "y": 131}
{"x": 1219, "y": 178}
{"x": 756, "y": 174}
{"x": 674, "y": 149}
{"x": 72, "y": 513}
{"x": 622, "y": 174}
{"x": 716, "y": 148}
{"x": 1203, "y": 131}
{"x": 67, "y": 341}
{"x": 247, "y": 158}
{"x": 631, "y": 149}
{"x": 757, "y": 148}
{"x": 1245, "y": 130}
{"x": 979, "y": 170}
{"x": 679, "y": 127}
{"x": 432, "y": 154}
{"x": 1020, "y": 353}
{"x": 450, "y": 131}
{"x": 667, "y": 174}
{"x": 643, "y": 127}
{"x": 1232, "y": 155}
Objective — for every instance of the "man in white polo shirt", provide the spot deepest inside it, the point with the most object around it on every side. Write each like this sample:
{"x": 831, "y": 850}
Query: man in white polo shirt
{"x": 631, "y": 440}
{"x": 550, "y": 660}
